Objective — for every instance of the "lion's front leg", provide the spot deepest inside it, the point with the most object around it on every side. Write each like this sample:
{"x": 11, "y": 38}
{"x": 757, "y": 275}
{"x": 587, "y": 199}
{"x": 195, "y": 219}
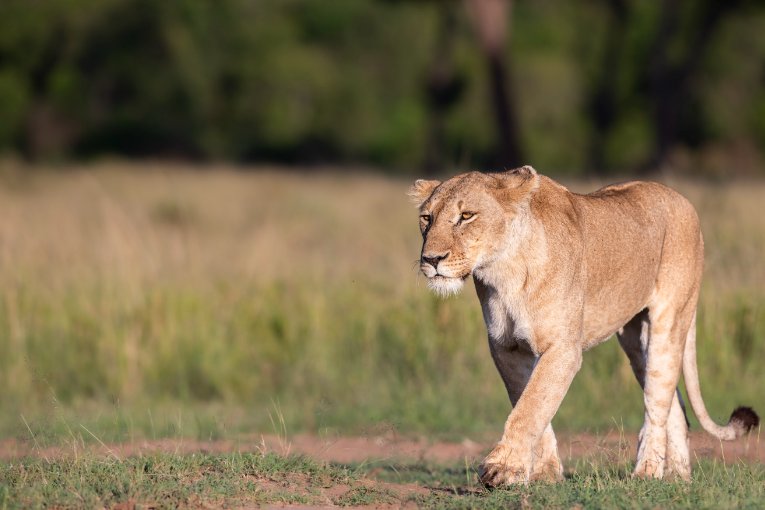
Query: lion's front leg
{"x": 506, "y": 464}
{"x": 515, "y": 366}
{"x": 513, "y": 459}
{"x": 546, "y": 463}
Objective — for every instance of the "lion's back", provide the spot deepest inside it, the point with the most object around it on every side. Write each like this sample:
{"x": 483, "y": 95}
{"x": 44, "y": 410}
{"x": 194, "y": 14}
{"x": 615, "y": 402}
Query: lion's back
{"x": 643, "y": 199}
{"x": 632, "y": 233}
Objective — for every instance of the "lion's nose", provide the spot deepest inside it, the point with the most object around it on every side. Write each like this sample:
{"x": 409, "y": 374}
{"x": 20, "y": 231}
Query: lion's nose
{"x": 433, "y": 260}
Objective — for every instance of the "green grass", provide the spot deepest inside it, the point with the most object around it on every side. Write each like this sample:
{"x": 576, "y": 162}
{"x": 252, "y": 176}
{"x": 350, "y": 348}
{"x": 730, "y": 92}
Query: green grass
{"x": 740, "y": 487}
{"x": 224, "y": 480}
{"x": 415, "y": 364}
{"x": 588, "y": 485}
{"x": 168, "y": 481}
{"x": 162, "y": 302}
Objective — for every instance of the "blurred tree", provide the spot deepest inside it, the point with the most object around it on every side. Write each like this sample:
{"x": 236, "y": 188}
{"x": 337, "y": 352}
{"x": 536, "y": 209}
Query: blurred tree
{"x": 677, "y": 55}
{"x": 603, "y": 101}
{"x": 491, "y": 18}
{"x": 650, "y": 63}
{"x": 607, "y": 85}
{"x": 444, "y": 87}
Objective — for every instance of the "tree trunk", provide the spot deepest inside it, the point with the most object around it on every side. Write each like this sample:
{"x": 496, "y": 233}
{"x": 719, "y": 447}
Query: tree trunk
{"x": 671, "y": 82}
{"x": 490, "y": 18}
{"x": 443, "y": 89}
{"x": 603, "y": 102}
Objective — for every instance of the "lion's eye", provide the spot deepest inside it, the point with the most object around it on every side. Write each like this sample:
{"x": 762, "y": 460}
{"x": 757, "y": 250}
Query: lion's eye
{"x": 425, "y": 218}
{"x": 466, "y": 216}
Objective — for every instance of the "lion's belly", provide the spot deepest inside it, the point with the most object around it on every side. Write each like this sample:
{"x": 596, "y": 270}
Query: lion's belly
{"x": 601, "y": 327}
{"x": 617, "y": 290}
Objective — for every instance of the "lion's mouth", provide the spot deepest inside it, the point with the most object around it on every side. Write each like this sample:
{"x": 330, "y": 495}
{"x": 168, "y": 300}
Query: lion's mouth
{"x": 440, "y": 276}
{"x": 446, "y": 285}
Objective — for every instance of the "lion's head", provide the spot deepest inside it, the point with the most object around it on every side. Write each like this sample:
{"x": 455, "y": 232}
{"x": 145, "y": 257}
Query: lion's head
{"x": 465, "y": 220}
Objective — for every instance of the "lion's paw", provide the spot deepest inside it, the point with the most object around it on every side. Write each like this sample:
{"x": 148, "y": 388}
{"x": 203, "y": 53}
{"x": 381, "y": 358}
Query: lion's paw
{"x": 649, "y": 469}
{"x": 678, "y": 466}
{"x": 501, "y": 467}
{"x": 548, "y": 472}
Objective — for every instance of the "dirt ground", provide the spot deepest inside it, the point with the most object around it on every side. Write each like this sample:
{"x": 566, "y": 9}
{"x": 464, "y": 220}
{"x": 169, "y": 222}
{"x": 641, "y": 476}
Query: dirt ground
{"x": 344, "y": 449}
{"x": 382, "y": 449}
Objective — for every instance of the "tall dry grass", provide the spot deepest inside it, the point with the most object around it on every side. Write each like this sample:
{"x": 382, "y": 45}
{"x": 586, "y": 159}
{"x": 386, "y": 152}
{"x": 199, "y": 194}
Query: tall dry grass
{"x": 160, "y": 299}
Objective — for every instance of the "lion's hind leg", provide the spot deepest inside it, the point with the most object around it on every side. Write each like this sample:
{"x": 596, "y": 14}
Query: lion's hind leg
{"x": 634, "y": 339}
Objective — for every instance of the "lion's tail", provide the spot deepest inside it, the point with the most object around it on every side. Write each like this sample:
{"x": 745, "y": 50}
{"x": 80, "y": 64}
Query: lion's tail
{"x": 741, "y": 421}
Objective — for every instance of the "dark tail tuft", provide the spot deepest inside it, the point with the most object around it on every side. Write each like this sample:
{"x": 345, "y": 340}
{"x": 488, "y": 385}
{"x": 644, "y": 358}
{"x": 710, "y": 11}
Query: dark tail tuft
{"x": 744, "y": 419}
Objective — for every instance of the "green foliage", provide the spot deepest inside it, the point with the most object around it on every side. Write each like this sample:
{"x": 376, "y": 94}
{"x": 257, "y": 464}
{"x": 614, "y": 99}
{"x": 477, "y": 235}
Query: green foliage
{"x": 13, "y": 105}
{"x": 347, "y": 81}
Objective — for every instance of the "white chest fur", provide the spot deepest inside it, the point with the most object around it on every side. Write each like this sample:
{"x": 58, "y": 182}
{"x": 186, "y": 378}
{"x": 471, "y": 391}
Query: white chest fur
{"x": 507, "y": 319}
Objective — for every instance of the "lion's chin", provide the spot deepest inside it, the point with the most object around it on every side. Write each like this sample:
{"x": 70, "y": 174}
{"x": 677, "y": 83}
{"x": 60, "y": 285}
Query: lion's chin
{"x": 445, "y": 286}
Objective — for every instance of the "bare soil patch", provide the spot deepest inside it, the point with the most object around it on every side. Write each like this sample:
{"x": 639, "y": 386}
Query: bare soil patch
{"x": 350, "y": 449}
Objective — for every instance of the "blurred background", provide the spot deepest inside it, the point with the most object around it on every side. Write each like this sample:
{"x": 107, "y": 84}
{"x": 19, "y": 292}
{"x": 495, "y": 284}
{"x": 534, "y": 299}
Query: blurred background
{"x": 596, "y": 86}
{"x": 203, "y": 227}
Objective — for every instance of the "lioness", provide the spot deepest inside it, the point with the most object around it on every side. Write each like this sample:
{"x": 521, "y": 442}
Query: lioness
{"x": 557, "y": 273}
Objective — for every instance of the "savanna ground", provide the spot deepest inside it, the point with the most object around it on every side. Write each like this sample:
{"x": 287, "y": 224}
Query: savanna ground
{"x": 156, "y": 319}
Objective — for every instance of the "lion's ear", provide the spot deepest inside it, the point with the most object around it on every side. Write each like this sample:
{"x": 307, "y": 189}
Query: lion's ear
{"x": 516, "y": 185}
{"x": 516, "y": 177}
{"x": 421, "y": 191}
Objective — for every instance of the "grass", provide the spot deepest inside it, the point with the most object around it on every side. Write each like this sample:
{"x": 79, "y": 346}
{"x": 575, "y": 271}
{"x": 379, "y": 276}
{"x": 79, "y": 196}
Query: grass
{"x": 225, "y": 480}
{"x": 170, "y": 481}
{"x": 590, "y": 485}
{"x": 160, "y": 301}
{"x": 611, "y": 487}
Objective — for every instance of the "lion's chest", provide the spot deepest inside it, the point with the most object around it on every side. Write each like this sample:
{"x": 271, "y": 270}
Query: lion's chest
{"x": 507, "y": 321}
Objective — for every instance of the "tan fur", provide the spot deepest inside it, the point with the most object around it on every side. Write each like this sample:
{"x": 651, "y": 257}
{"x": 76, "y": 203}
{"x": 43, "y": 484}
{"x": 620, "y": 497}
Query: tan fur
{"x": 557, "y": 273}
